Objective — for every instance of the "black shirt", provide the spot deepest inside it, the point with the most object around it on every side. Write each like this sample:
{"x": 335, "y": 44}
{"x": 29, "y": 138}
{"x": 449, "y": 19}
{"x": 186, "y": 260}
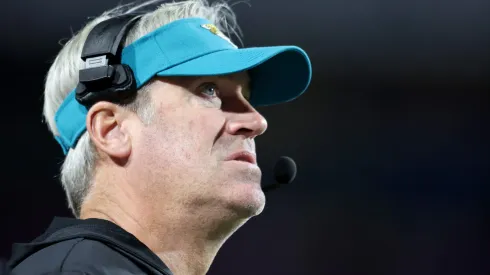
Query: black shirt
{"x": 89, "y": 247}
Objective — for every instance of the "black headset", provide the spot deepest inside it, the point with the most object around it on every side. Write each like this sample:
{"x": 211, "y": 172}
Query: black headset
{"x": 104, "y": 78}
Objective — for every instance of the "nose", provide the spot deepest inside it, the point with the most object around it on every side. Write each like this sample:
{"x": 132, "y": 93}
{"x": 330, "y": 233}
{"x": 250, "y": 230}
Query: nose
{"x": 249, "y": 124}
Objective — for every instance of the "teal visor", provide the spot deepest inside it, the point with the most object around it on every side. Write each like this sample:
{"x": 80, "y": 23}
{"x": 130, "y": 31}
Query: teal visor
{"x": 194, "y": 47}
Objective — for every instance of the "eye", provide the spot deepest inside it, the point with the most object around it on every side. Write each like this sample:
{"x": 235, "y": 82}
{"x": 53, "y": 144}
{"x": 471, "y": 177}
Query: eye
{"x": 209, "y": 89}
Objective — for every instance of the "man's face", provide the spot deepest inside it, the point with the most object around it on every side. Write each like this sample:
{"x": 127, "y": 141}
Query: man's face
{"x": 199, "y": 149}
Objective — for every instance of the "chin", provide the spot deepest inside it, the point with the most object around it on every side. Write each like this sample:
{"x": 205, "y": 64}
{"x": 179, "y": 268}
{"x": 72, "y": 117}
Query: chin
{"x": 246, "y": 200}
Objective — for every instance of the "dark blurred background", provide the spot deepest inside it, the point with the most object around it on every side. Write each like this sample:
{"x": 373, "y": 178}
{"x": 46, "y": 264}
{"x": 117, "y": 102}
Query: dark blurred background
{"x": 391, "y": 140}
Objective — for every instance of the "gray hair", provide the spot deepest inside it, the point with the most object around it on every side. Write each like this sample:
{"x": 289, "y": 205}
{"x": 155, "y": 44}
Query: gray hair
{"x": 78, "y": 168}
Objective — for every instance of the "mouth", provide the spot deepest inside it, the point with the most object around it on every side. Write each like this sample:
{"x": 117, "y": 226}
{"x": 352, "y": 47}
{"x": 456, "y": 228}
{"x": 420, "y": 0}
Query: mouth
{"x": 244, "y": 156}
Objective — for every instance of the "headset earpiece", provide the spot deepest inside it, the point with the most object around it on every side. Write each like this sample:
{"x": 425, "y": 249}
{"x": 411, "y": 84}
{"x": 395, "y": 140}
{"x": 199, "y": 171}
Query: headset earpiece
{"x": 122, "y": 86}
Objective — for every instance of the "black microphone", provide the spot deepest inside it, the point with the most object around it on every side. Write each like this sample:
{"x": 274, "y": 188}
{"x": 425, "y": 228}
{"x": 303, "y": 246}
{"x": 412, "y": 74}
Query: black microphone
{"x": 284, "y": 173}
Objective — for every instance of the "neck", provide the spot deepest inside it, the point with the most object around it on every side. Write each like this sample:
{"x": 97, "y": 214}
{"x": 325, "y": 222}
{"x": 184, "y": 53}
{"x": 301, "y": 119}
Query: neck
{"x": 186, "y": 241}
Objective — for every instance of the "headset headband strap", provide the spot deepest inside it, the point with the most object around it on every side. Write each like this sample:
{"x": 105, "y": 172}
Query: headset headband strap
{"x": 104, "y": 41}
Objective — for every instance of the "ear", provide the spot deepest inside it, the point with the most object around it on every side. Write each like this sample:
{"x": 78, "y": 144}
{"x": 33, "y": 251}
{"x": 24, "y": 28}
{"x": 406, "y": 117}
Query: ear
{"x": 105, "y": 125}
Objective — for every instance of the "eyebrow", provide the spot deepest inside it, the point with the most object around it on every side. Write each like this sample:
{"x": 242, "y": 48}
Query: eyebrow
{"x": 246, "y": 91}
{"x": 228, "y": 77}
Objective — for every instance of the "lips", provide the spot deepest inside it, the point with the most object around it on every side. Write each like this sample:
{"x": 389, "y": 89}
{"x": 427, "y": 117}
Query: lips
{"x": 244, "y": 156}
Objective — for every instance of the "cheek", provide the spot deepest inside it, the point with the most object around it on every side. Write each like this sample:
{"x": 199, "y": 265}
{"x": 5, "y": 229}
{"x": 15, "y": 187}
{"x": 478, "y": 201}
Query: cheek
{"x": 206, "y": 127}
{"x": 178, "y": 149}
{"x": 182, "y": 136}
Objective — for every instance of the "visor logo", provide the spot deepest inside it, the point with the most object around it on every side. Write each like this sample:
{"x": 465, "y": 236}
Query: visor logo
{"x": 213, "y": 29}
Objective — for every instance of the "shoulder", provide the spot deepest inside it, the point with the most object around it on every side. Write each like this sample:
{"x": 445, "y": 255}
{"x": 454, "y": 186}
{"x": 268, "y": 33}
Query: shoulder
{"x": 78, "y": 256}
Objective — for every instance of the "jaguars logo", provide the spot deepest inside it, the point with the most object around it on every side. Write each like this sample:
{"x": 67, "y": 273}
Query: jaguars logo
{"x": 214, "y": 30}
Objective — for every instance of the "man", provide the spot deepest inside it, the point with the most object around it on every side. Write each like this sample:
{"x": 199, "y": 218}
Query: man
{"x": 159, "y": 182}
